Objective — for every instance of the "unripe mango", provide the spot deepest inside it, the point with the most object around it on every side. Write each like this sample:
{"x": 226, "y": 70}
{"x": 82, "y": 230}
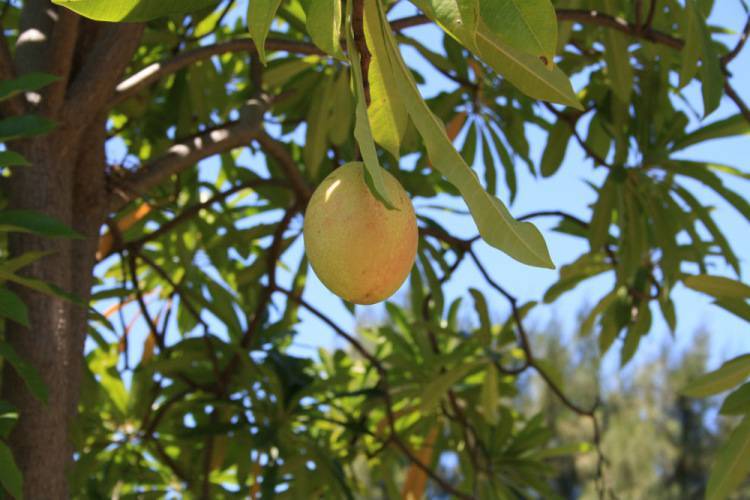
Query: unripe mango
{"x": 361, "y": 250}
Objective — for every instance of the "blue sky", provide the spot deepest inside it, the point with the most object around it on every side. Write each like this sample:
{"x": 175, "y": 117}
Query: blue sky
{"x": 566, "y": 190}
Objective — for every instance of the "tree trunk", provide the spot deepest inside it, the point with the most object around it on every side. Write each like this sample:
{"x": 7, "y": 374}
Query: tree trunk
{"x": 54, "y": 343}
{"x": 66, "y": 180}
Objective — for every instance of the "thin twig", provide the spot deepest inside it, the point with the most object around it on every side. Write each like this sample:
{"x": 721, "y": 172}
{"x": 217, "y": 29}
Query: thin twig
{"x": 360, "y": 41}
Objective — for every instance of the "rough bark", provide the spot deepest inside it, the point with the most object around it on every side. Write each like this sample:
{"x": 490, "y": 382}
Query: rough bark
{"x": 40, "y": 440}
{"x": 66, "y": 180}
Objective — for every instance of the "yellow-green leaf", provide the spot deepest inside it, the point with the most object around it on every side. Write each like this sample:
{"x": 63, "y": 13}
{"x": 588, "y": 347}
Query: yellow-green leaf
{"x": 731, "y": 373}
{"x": 132, "y": 10}
{"x": 732, "y": 464}
{"x": 526, "y": 25}
{"x": 520, "y": 240}
{"x": 260, "y": 15}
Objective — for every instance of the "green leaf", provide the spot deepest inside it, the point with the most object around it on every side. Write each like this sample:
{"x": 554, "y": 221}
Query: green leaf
{"x": 520, "y": 240}
{"x": 601, "y": 219}
{"x": 712, "y": 77}
{"x": 23, "y": 260}
{"x": 635, "y": 333}
{"x": 600, "y": 307}
{"x": 738, "y": 402}
{"x": 490, "y": 396}
{"x": 318, "y": 126}
{"x": 132, "y": 10}
{"x": 28, "y": 373}
{"x": 439, "y": 386}
{"x": 480, "y": 304}
{"x": 457, "y": 17}
{"x": 12, "y": 307}
{"x": 324, "y": 24}
{"x": 387, "y": 114}
{"x": 557, "y": 145}
{"x": 342, "y": 110}
{"x": 25, "y": 83}
{"x": 363, "y": 132}
{"x": 619, "y": 67}
{"x": 10, "y": 474}
{"x": 527, "y": 72}
{"x": 508, "y": 166}
{"x": 524, "y": 70}
{"x": 731, "y": 373}
{"x": 260, "y": 15}
{"x": 12, "y": 159}
{"x": 728, "y": 127}
{"x": 732, "y": 464}
{"x": 718, "y": 286}
{"x": 41, "y": 286}
{"x": 738, "y": 307}
{"x": 24, "y": 126}
{"x": 34, "y": 222}
{"x": 525, "y": 25}
{"x": 691, "y": 52}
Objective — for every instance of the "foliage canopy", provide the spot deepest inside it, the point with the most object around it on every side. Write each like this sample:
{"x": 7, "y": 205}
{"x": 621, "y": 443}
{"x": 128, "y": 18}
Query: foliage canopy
{"x": 283, "y": 92}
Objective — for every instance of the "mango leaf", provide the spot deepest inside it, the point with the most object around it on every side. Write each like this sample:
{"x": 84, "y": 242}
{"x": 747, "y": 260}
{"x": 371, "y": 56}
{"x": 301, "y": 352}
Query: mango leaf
{"x": 10, "y": 474}
{"x": 738, "y": 307}
{"x": 28, "y": 373}
{"x": 557, "y": 145}
{"x": 520, "y": 240}
{"x": 712, "y": 77}
{"x": 260, "y": 15}
{"x": 363, "y": 132}
{"x": 457, "y": 17}
{"x": 480, "y": 304}
{"x": 728, "y": 127}
{"x": 490, "y": 396}
{"x": 24, "y": 126}
{"x": 718, "y": 286}
{"x": 691, "y": 52}
{"x": 732, "y": 464}
{"x": 439, "y": 386}
{"x": 318, "y": 123}
{"x": 731, "y": 373}
{"x": 12, "y": 159}
{"x": 619, "y": 68}
{"x": 132, "y": 10}
{"x": 738, "y": 402}
{"x": 601, "y": 219}
{"x": 323, "y": 20}
{"x": 12, "y": 307}
{"x": 525, "y": 25}
{"x": 41, "y": 286}
{"x": 34, "y": 222}
{"x": 524, "y": 70}
{"x": 387, "y": 115}
{"x": 23, "y": 260}
{"x": 25, "y": 83}
{"x": 635, "y": 333}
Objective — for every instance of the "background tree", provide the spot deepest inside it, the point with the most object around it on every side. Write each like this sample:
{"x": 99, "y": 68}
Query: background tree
{"x": 215, "y": 405}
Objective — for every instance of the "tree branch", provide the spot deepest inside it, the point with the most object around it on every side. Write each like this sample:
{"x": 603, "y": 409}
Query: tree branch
{"x": 62, "y": 49}
{"x": 729, "y": 57}
{"x": 182, "y": 155}
{"x": 93, "y": 85}
{"x": 287, "y": 164}
{"x": 595, "y": 17}
{"x": 360, "y": 42}
{"x": 734, "y": 96}
{"x": 187, "y": 214}
{"x": 156, "y": 71}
